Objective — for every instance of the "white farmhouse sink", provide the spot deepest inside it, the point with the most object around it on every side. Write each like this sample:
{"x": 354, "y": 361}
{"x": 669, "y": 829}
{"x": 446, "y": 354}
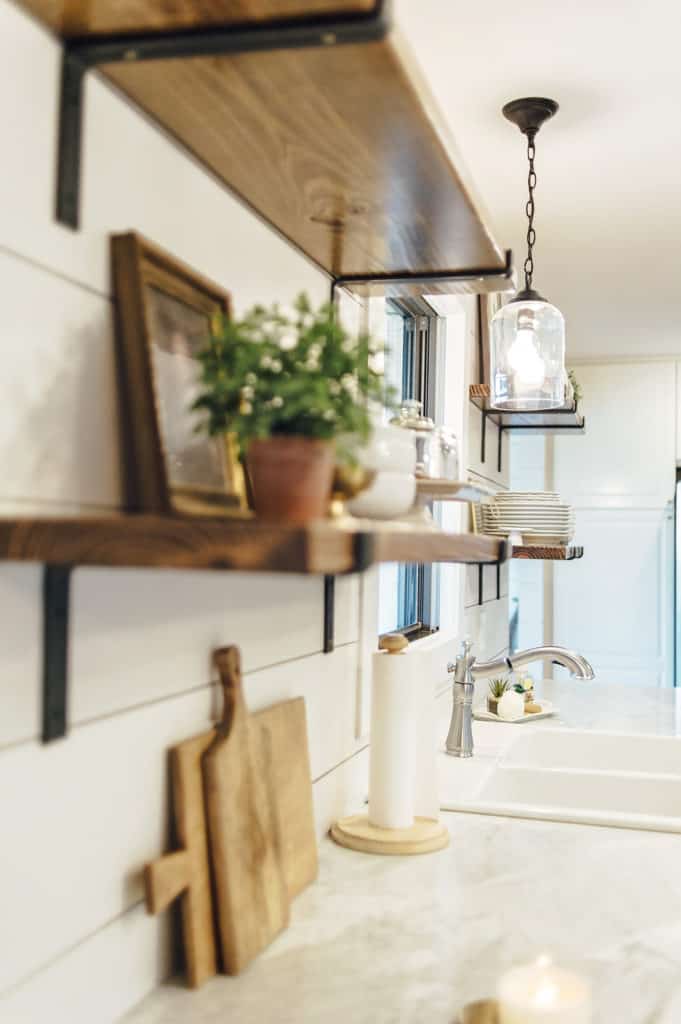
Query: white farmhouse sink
{"x": 615, "y": 779}
{"x": 596, "y": 751}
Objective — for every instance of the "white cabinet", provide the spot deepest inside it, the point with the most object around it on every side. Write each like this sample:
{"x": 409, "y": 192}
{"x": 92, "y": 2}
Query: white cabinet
{"x": 627, "y": 456}
{"x": 616, "y": 605}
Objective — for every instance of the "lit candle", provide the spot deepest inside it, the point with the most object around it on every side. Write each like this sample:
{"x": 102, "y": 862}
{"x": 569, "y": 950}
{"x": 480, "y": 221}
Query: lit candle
{"x": 540, "y": 993}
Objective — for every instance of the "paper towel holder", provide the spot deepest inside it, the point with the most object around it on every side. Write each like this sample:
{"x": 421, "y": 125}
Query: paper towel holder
{"x": 357, "y": 833}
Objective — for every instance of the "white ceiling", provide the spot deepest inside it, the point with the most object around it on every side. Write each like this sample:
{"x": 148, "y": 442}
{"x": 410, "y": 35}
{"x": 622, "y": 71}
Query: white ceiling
{"x": 608, "y": 199}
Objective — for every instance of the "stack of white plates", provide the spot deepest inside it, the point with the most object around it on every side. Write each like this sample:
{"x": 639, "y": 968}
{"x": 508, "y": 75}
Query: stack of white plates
{"x": 539, "y": 516}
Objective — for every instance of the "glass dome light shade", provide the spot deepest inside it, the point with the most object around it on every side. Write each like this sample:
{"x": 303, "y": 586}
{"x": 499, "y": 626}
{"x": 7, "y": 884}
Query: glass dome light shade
{"x": 527, "y": 357}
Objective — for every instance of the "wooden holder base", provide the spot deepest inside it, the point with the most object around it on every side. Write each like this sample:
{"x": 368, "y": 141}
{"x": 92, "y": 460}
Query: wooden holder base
{"x": 356, "y": 833}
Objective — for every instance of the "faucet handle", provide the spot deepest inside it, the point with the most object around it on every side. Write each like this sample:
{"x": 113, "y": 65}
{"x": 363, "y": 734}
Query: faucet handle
{"x": 465, "y": 660}
{"x": 464, "y": 663}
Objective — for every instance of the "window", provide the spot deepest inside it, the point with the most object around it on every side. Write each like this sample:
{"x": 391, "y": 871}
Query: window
{"x": 407, "y": 594}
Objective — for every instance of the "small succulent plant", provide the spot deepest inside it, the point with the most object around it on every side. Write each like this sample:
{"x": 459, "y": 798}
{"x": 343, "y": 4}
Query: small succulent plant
{"x": 498, "y": 687}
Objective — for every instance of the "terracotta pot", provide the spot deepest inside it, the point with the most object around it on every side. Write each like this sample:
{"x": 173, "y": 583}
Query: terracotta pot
{"x": 291, "y": 478}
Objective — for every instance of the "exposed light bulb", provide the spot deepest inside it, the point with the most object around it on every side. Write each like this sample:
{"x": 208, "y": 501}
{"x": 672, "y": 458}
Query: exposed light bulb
{"x": 527, "y": 356}
{"x": 525, "y": 361}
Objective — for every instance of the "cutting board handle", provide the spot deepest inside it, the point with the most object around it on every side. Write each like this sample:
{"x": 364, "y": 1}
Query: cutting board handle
{"x": 227, "y": 660}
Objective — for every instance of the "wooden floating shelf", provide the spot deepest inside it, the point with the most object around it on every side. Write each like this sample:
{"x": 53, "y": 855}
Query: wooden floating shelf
{"x": 548, "y": 421}
{"x": 547, "y": 554}
{"x": 311, "y": 112}
{"x": 244, "y": 545}
{"x": 452, "y": 490}
{"x": 107, "y": 17}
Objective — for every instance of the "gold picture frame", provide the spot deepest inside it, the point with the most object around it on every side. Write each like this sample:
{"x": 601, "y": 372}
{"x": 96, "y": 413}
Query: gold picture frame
{"x": 163, "y": 312}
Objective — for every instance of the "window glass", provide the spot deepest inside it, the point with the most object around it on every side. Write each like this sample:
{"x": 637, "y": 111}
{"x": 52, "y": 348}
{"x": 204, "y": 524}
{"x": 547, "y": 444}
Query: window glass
{"x": 404, "y": 590}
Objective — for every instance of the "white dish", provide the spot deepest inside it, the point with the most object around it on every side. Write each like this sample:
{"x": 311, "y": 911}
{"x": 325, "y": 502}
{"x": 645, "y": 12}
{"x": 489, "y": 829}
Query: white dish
{"x": 523, "y": 507}
{"x": 389, "y": 496}
{"x": 512, "y": 517}
{"x": 521, "y": 516}
{"x": 527, "y": 494}
{"x": 526, "y": 503}
{"x": 390, "y": 449}
{"x": 497, "y": 510}
{"x": 496, "y": 513}
{"x": 503, "y": 513}
{"x": 531, "y": 531}
{"x": 529, "y": 527}
{"x": 481, "y": 713}
{"x": 534, "y": 520}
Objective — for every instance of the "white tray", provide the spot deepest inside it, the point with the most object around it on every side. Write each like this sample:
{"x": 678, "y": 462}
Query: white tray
{"x": 481, "y": 713}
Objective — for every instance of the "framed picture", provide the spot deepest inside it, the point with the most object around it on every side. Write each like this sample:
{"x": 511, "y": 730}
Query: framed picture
{"x": 163, "y": 314}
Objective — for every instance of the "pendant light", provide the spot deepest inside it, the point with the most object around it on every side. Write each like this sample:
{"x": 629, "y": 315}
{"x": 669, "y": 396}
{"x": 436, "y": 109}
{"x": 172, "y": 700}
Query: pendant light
{"x": 527, "y": 337}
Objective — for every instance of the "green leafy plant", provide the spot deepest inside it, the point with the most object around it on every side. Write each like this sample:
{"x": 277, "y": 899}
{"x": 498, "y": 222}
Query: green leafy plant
{"x": 288, "y": 372}
{"x": 576, "y": 386}
{"x": 498, "y": 687}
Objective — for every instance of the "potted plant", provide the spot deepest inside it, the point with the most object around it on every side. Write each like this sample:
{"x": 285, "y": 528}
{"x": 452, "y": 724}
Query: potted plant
{"x": 288, "y": 385}
{"x": 497, "y": 689}
{"x": 574, "y": 389}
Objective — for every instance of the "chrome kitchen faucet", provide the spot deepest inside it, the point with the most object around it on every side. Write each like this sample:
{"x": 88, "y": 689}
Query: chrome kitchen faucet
{"x": 466, "y": 670}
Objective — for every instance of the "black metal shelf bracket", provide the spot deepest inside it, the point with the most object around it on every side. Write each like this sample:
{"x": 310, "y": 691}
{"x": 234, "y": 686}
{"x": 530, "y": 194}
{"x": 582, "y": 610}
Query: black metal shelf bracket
{"x": 501, "y": 276}
{"x": 329, "y": 614}
{"x": 481, "y": 579}
{"x": 82, "y": 53}
{"x": 56, "y": 602}
{"x": 525, "y": 428}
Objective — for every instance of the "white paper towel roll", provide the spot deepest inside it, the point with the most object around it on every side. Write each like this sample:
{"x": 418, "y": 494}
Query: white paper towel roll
{"x": 403, "y": 767}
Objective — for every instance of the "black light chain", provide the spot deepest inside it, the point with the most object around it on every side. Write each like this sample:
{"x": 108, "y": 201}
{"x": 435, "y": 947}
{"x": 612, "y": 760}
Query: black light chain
{"x": 529, "y": 210}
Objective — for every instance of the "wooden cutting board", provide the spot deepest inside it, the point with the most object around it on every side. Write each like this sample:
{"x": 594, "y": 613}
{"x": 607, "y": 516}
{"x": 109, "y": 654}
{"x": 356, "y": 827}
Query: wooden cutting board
{"x": 286, "y": 724}
{"x": 251, "y": 895}
{"x": 187, "y": 872}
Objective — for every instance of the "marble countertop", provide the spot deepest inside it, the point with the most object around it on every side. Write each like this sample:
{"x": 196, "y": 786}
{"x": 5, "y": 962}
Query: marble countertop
{"x": 601, "y": 707}
{"x": 392, "y": 940}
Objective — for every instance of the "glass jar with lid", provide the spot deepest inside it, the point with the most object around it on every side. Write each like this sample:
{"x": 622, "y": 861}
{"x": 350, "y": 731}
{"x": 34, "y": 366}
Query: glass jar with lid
{"x": 411, "y": 417}
{"x": 448, "y": 449}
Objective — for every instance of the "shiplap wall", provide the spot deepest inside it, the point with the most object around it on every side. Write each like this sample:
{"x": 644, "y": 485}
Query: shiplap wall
{"x": 80, "y": 817}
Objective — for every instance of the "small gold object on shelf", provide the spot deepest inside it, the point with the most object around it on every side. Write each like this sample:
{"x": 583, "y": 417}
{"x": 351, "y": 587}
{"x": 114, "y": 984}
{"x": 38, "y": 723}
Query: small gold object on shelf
{"x": 348, "y": 481}
{"x": 485, "y": 1011}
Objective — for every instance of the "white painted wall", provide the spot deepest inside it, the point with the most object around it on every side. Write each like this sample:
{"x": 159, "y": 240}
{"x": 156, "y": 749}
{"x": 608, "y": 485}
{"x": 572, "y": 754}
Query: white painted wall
{"x": 527, "y": 577}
